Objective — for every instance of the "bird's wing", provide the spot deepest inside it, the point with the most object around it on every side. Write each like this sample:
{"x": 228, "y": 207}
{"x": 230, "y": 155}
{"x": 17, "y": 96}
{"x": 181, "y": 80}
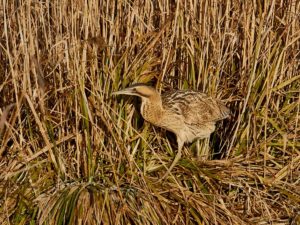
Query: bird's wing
{"x": 195, "y": 107}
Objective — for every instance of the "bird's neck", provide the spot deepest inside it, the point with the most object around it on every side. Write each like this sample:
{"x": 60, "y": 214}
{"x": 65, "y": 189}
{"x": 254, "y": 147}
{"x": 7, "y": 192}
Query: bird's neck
{"x": 152, "y": 109}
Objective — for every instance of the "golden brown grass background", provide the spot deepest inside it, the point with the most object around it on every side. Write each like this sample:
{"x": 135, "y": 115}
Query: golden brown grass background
{"x": 73, "y": 154}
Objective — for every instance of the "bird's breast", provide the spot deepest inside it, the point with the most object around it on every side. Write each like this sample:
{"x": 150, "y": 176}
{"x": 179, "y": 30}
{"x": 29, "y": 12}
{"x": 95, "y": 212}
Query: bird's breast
{"x": 152, "y": 113}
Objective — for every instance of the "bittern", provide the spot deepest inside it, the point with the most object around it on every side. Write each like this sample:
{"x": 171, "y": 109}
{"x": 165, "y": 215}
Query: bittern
{"x": 188, "y": 114}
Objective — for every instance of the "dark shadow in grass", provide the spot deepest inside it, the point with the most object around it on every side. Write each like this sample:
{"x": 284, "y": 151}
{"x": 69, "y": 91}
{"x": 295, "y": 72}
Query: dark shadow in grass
{"x": 219, "y": 140}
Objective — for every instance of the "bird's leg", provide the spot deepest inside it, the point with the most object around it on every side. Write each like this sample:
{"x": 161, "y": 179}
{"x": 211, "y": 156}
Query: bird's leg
{"x": 177, "y": 157}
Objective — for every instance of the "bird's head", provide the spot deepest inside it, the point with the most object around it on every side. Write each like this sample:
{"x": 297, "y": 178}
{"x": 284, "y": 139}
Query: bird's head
{"x": 141, "y": 90}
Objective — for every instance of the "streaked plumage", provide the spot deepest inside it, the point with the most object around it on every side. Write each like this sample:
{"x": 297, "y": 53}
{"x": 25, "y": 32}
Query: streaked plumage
{"x": 188, "y": 114}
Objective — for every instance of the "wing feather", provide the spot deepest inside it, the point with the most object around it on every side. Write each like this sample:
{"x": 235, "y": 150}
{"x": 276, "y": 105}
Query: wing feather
{"x": 195, "y": 107}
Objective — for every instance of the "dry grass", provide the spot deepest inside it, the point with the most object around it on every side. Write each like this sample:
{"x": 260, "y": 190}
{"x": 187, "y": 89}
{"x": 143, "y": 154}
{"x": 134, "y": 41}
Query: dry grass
{"x": 72, "y": 154}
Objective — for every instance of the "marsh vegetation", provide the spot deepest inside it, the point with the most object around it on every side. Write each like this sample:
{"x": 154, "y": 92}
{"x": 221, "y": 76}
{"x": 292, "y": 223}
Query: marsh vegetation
{"x": 73, "y": 154}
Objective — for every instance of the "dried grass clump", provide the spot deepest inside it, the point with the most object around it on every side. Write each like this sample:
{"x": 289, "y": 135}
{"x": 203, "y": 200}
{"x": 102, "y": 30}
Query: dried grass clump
{"x": 72, "y": 154}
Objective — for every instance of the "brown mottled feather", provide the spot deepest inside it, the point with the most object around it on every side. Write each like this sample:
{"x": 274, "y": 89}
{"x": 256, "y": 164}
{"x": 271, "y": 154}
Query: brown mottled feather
{"x": 195, "y": 107}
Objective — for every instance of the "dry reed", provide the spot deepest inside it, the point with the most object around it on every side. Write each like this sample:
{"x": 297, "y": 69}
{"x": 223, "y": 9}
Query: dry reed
{"x": 72, "y": 154}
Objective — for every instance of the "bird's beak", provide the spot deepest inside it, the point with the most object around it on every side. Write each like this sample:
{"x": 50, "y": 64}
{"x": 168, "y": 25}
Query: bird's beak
{"x": 126, "y": 91}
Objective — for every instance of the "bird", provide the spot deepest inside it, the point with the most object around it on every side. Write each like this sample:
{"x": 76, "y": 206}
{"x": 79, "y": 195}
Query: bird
{"x": 189, "y": 114}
